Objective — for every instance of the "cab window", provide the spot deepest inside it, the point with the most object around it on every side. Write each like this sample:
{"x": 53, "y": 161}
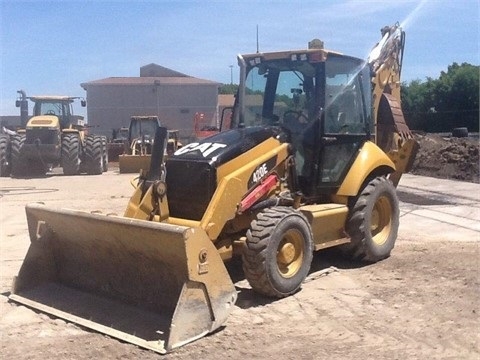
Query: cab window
{"x": 346, "y": 112}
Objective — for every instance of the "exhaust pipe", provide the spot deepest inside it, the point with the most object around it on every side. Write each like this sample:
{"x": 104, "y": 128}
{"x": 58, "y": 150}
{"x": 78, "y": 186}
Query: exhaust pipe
{"x": 23, "y": 105}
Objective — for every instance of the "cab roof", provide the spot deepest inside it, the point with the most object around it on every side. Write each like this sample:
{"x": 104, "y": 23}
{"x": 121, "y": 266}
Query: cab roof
{"x": 53, "y": 98}
{"x": 313, "y": 55}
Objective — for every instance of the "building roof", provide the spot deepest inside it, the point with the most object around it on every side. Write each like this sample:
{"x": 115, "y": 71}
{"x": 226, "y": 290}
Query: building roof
{"x": 161, "y": 76}
{"x": 155, "y": 70}
{"x": 149, "y": 81}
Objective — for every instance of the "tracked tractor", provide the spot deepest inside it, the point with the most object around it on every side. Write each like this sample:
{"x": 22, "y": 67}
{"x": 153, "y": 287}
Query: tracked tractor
{"x": 316, "y": 147}
{"x": 53, "y": 137}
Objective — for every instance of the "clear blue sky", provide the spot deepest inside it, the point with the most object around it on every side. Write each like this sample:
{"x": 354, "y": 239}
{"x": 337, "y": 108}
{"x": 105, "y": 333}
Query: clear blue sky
{"x": 50, "y": 47}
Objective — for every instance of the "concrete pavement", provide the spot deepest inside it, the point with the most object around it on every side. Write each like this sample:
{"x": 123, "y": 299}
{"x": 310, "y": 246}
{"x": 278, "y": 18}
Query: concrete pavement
{"x": 430, "y": 208}
{"x": 438, "y": 209}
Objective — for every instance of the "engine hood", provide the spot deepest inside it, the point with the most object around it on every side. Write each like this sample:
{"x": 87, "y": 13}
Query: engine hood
{"x": 43, "y": 121}
{"x": 192, "y": 170}
{"x": 222, "y": 147}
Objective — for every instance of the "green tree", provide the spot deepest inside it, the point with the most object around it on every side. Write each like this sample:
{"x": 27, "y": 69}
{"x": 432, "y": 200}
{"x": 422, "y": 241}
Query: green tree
{"x": 417, "y": 103}
{"x": 456, "y": 96}
{"x": 439, "y": 105}
{"x": 228, "y": 89}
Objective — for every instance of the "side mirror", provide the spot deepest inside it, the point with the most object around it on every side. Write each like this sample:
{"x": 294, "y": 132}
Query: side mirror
{"x": 83, "y": 103}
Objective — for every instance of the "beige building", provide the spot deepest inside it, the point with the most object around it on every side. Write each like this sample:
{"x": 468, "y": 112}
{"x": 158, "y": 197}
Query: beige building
{"x": 172, "y": 96}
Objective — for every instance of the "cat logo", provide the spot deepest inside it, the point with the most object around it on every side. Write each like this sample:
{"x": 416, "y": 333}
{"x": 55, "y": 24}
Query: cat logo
{"x": 205, "y": 149}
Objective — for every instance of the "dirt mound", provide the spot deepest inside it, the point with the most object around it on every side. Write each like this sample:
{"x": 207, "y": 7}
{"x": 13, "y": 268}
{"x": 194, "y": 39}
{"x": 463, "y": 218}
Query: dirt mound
{"x": 447, "y": 157}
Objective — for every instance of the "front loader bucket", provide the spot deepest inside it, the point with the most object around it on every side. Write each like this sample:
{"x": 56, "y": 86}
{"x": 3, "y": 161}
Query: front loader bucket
{"x": 133, "y": 163}
{"x": 155, "y": 285}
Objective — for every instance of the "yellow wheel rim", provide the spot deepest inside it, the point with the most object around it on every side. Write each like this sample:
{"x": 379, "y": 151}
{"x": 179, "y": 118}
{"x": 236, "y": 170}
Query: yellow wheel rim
{"x": 381, "y": 223}
{"x": 290, "y": 253}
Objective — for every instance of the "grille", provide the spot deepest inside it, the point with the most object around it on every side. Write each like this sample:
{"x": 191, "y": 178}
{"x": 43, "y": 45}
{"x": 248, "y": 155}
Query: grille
{"x": 42, "y": 136}
{"x": 190, "y": 186}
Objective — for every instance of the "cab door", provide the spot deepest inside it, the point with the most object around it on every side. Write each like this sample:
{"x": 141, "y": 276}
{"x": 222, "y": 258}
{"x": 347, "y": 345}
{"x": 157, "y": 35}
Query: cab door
{"x": 345, "y": 122}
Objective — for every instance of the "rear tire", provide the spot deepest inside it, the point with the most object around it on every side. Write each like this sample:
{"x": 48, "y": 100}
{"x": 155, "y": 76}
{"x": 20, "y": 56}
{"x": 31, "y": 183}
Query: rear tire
{"x": 19, "y": 165}
{"x": 278, "y": 251}
{"x": 460, "y": 132}
{"x": 373, "y": 222}
{"x": 93, "y": 156}
{"x": 70, "y": 154}
{"x": 5, "y": 166}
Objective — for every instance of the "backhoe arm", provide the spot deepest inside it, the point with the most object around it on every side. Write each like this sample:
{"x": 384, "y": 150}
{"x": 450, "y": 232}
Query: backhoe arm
{"x": 392, "y": 133}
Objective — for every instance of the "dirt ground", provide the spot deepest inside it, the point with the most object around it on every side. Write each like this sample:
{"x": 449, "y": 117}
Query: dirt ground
{"x": 420, "y": 303}
{"x": 447, "y": 157}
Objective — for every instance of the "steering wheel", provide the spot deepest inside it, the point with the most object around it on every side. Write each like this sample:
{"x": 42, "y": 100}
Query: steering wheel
{"x": 295, "y": 121}
{"x": 50, "y": 112}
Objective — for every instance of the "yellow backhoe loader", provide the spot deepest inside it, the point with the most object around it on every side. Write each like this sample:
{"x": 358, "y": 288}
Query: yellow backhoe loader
{"x": 316, "y": 147}
{"x": 139, "y": 145}
{"x": 138, "y": 149}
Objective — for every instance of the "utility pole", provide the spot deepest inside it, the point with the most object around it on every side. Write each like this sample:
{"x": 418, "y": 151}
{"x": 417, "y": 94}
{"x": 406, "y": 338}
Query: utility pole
{"x": 258, "y": 47}
{"x": 156, "y": 88}
{"x": 231, "y": 74}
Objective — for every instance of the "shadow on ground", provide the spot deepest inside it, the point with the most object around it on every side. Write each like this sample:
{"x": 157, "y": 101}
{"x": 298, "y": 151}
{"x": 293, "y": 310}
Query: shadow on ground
{"x": 322, "y": 261}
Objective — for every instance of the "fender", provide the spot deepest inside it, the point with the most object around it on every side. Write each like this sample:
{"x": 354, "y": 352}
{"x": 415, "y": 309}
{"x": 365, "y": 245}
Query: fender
{"x": 369, "y": 159}
{"x": 70, "y": 131}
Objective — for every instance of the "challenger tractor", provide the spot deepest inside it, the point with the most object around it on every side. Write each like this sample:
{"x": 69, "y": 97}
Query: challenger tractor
{"x": 53, "y": 137}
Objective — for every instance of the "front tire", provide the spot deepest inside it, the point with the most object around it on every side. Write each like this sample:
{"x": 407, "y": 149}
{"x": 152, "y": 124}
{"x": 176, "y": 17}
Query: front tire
{"x": 70, "y": 154}
{"x": 4, "y": 155}
{"x": 373, "y": 222}
{"x": 19, "y": 164}
{"x": 278, "y": 251}
{"x": 93, "y": 156}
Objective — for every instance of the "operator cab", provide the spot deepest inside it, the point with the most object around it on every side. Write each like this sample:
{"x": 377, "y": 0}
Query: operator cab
{"x": 319, "y": 99}
{"x": 59, "y": 106}
{"x": 143, "y": 127}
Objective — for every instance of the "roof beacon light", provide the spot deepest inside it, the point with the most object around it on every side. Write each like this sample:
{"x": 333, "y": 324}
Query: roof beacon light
{"x": 315, "y": 44}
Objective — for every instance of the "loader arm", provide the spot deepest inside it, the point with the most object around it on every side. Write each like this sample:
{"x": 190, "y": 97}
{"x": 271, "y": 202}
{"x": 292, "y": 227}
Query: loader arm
{"x": 149, "y": 198}
{"x": 233, "y": 186}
